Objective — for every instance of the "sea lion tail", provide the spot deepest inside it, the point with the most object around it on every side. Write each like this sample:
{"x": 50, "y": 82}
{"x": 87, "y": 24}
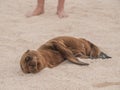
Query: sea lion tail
{"x": 104, "y": 56}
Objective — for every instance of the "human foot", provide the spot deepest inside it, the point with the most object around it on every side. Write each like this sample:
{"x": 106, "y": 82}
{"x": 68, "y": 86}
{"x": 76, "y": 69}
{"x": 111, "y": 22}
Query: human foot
{"x": 61, "y": 14}
{"x": 36, "y": 12}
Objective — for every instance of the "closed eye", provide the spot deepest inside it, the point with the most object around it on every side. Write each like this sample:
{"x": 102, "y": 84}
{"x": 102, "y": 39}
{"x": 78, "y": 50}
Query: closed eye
{"x": 28, "y": 58}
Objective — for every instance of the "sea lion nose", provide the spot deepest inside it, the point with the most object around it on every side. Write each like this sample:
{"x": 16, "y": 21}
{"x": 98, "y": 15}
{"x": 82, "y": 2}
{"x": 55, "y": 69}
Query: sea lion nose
{"x": 33, "y": 64}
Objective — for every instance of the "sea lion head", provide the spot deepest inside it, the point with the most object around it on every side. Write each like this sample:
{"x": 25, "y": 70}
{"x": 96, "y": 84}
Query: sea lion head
{"x": 32, "y": 62}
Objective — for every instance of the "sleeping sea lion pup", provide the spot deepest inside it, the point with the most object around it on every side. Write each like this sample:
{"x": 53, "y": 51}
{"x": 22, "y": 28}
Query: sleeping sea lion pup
{"x": 57, "y": 50}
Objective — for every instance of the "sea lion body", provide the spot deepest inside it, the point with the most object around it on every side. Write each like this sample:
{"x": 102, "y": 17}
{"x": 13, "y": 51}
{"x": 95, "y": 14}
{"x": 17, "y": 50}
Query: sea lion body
{"x": 57, "y": 50}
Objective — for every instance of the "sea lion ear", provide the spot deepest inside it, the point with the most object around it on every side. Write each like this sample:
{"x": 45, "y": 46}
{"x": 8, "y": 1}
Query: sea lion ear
{"x": 27, "y": 51}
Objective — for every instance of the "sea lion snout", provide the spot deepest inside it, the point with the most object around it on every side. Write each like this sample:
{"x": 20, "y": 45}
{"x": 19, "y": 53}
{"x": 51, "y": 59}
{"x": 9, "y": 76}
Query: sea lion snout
{"x": 32, "y": 64}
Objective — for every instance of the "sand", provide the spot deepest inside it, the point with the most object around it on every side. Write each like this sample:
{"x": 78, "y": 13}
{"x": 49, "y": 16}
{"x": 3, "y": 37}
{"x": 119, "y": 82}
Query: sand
{"x": 95, "y": 20}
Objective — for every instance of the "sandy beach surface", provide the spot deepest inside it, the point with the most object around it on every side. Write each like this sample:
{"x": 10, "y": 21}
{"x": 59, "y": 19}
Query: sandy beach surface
{"x": 95, "y": 20}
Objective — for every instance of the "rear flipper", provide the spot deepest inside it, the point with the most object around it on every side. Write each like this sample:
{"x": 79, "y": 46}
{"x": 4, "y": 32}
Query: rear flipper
{"x": 96, "y": 53}
{"x": 104, "y": 56}
{"x": 66, "y": 53}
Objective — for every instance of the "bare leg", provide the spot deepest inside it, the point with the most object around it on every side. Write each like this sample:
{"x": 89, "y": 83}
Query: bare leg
{"x": 39, "y": 9}
{"x": 60, "y": 9}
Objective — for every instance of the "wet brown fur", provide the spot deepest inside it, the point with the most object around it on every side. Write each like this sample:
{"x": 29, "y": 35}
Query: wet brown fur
{"x": 57, "y": 50}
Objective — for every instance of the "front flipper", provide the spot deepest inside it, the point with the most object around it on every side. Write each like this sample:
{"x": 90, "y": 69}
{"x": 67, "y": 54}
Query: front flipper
{"x": 80, "y": 55}
{"x": 66, "y": 53}
{"x": 76, "y": 61}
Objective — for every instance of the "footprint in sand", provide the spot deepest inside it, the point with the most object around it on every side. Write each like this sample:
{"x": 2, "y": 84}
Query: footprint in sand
{"x": 105, "y": 84}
